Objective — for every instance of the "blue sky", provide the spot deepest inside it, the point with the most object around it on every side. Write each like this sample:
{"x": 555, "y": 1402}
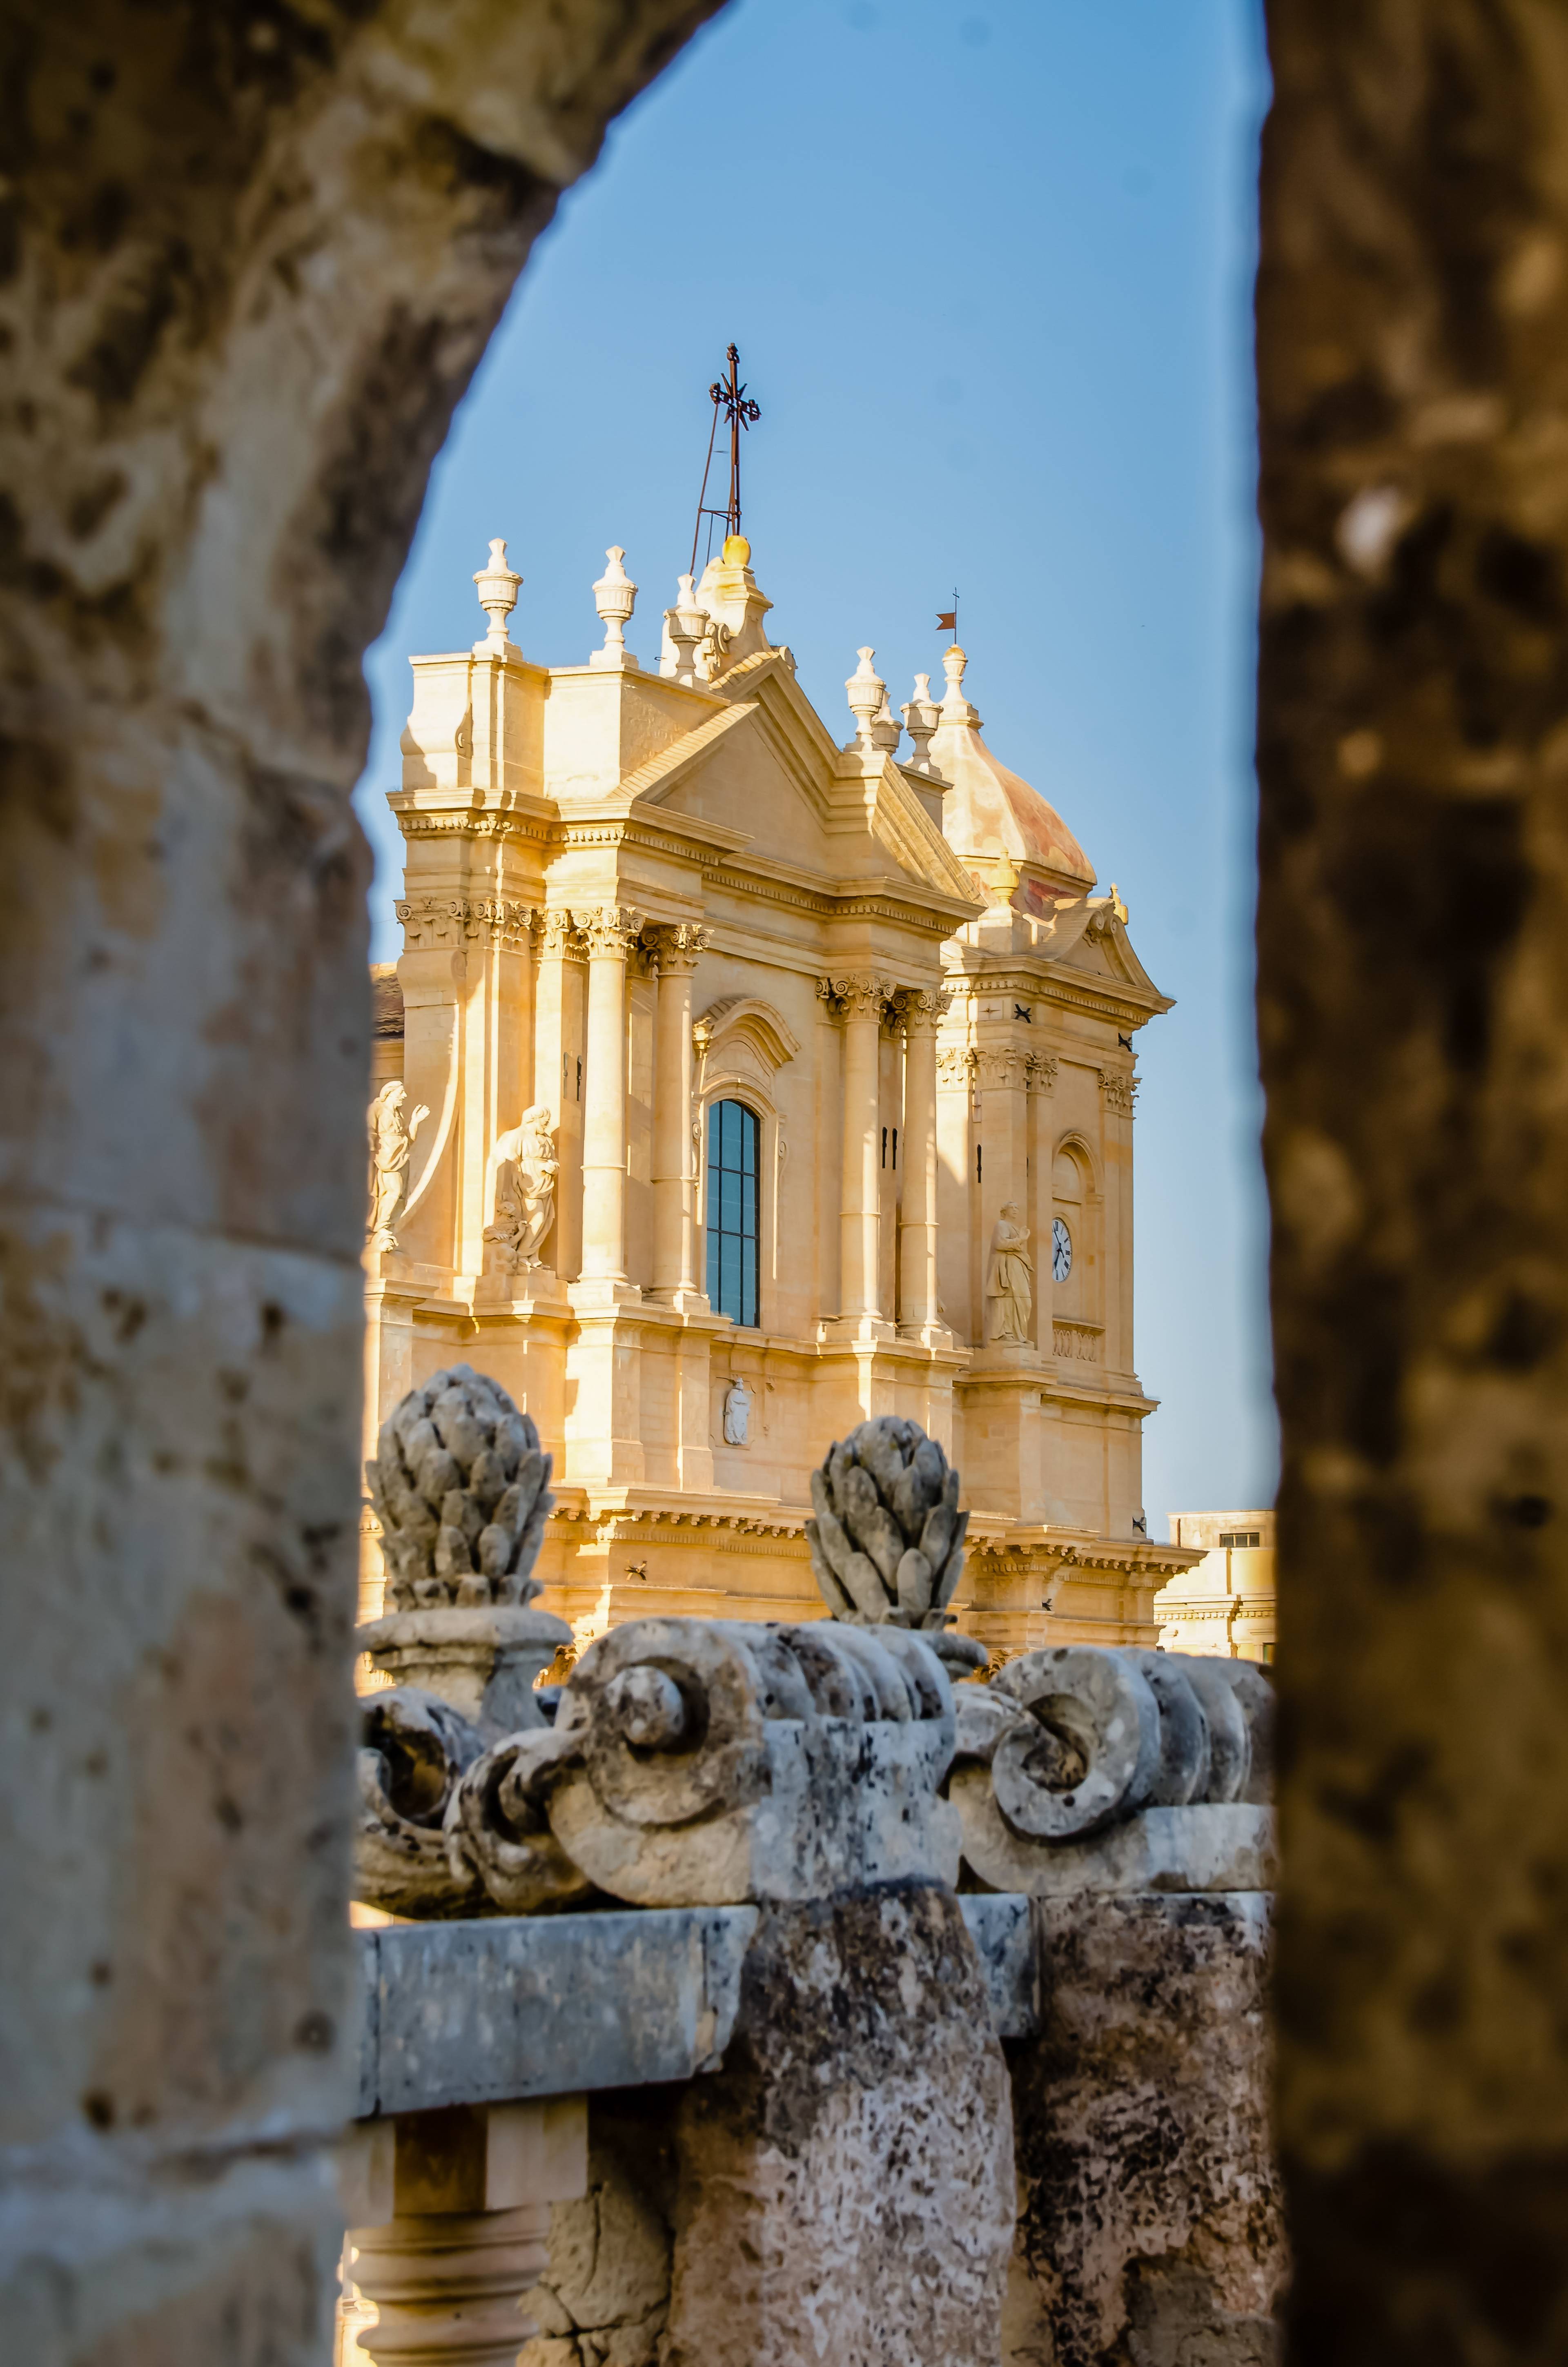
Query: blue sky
{"x": 988, "y": 264}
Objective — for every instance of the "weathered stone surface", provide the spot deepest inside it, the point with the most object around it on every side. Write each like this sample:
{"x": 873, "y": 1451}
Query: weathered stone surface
{"x": 460, "y": 2013}
{"x": 247, "y": 262}
{"x": 604, "y": 2298}
{"x": 1150, "y": 2230}
{"x": 846, "y": 2182}
{"x": 1413, "y": 938}
{"x": 1066, "y": 1765}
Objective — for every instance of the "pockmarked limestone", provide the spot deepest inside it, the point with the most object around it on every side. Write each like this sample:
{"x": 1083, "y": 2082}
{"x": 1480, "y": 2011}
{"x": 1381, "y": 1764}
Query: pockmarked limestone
{"x": 1413, "y": 982}
{"x": 846, "y": 2182}
{"x": 251, "y": 257}
{"x": 1151, "y": 2228}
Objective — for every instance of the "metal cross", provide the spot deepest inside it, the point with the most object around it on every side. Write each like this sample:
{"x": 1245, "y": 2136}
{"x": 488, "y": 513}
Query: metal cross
{"x": 731, "y": 401}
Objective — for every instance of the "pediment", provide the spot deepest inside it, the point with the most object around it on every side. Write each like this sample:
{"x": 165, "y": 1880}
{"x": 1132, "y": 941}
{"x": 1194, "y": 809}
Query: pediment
{"x": 767, "y": 766}
{"x": 743, "y": 1033}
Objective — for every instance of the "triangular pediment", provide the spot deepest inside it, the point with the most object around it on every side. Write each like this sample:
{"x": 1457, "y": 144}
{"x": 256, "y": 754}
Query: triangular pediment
{"x": 769, "y": 766}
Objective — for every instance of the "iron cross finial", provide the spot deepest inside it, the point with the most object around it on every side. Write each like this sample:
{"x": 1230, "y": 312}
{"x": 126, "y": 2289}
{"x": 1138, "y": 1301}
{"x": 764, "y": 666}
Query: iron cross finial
{"x": 730, "y": 402}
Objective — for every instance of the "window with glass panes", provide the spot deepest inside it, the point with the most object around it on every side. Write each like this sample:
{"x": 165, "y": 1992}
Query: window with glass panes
{"x": 732, "y": 1210}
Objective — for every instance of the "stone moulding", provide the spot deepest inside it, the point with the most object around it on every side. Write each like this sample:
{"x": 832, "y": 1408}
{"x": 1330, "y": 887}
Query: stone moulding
{"x": 1083, "y": 1769}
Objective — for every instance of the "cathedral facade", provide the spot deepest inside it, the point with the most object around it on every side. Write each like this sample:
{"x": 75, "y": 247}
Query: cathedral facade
{"x": 737, "y": 1082}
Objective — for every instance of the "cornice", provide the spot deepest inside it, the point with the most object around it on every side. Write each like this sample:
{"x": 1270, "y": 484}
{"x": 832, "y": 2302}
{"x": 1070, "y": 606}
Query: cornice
{"x": 1049, "y": 983}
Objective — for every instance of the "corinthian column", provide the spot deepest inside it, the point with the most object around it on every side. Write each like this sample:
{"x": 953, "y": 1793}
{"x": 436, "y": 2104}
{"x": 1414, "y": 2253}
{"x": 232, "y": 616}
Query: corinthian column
{"x": 861, "y": 1001}
{"x": 609, "y": 931}
{"x": 675, "y": 1239}
{"x": 923, "y": 1012}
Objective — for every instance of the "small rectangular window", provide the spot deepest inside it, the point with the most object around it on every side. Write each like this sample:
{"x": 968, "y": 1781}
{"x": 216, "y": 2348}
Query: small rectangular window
{"x": 895, "y": 1149}
{"x": 884, "y": 1146}
{"x": 1240, "y": 1538}
{"x": 977, "y": 1170}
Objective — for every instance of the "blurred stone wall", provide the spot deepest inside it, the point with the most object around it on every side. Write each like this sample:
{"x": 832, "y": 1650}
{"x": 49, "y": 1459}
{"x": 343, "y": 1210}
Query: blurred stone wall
{"x": 249, "y": 257}
{"x": 1413, "y": 934}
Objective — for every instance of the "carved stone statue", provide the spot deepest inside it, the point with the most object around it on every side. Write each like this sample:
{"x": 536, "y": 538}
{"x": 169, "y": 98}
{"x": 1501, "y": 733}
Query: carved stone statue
{"x": 1009, "y": 1284}
{"x": 526, "y": 1169}
{"x": 392, "y": 1143}
{"x": 737, "y": 1413}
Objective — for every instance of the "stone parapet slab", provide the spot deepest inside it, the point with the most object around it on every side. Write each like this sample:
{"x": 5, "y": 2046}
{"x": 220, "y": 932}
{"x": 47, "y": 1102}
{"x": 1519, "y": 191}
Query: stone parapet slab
{"x": 501, "y": 2009}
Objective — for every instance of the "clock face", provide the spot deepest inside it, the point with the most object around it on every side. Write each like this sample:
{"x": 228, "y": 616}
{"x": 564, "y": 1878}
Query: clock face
{"x": 1060, "y": 1250}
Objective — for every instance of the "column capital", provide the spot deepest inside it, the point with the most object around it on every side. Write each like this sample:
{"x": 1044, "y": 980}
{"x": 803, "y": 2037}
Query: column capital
{"x": 955, "y": 1064}
{"x": 1119, "y": 1087}
{"x": 856, "y": 996}
{"x": 1040, "y": 1070}
{"x": 677, "y": 946}
{"x": 999, "y": 1068}
{"x": 610, "y": 930}
{"x": 430, "y": 921}
{"x": 922, "y": 1008}
{"x": 559, "y": 938}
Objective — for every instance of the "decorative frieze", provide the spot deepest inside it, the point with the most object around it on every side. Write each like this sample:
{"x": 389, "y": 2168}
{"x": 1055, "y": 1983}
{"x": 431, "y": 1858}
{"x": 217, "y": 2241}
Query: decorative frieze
{"x": 434, "y": 920}
{"x": 999, "y": 1069}
{"x": 1119, "y": 1087}
{"x": 1080, "y": 1341}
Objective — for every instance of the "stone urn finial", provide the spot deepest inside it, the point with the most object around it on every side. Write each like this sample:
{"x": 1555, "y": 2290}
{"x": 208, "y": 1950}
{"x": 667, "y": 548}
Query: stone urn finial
{"x": 615, "y": 597}
{"x": 921, "y": 717}
{"x": 498, "y": 585}
{"x": 885, "y": 730}
{"x": 867, "y": 692}
{"x": 686, "y": 624}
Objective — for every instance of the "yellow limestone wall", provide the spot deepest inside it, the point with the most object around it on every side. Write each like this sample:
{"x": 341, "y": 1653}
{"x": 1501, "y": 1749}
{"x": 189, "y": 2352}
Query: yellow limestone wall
{"x": 1224, "y": 1605}
{"x": 629, "y": 895}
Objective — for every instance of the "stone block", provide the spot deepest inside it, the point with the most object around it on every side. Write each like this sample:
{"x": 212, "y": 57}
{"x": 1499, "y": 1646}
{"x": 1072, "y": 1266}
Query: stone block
{"x": 1150, "y": 2228}
{"x": 494, "y": 2009}
{"x": 846, "y": 2182}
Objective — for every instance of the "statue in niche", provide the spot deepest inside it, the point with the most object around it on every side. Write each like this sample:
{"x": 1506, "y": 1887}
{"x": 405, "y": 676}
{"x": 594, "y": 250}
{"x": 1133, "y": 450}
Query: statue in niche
{"x": 526, "y": 1169}
{"x": 737, "y": 1413}
{"x": 1009, "y": 1283}
{"x": 392, "y": 1144}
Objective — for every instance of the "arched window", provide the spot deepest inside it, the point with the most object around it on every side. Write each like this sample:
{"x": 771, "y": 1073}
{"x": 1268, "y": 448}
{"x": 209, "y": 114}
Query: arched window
{"x": 732, "y": 1210}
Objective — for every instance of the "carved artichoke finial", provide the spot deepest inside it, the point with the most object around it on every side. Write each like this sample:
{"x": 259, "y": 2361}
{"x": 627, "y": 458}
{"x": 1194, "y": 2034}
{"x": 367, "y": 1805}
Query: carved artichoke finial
{"x": 887, "y": 1542}
{"x": 461, "y": 1488}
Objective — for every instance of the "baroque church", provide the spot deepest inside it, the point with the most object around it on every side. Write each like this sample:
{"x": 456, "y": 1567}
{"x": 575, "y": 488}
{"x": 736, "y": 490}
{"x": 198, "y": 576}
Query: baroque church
{"x": 738, "y": 1081}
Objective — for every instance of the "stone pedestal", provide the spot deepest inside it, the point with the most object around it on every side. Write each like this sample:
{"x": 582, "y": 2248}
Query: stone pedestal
{"x": 1150, "y": 2230}
{"x": 844, "y": 2185}
{"x": 484, "y": 1663}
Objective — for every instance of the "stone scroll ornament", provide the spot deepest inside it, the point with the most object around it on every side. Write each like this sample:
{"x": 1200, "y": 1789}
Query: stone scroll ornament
{"x": 692, "y": 1762}
{"x": 887, "y": 1539}
{"x": 1087, "y": 1768}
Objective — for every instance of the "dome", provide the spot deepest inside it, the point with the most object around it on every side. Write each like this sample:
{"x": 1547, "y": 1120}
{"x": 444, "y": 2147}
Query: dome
{"x": 990, "y": 811}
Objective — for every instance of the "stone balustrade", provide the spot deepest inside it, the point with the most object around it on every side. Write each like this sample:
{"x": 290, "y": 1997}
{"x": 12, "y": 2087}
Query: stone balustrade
{"x": 691, "y": 1950}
